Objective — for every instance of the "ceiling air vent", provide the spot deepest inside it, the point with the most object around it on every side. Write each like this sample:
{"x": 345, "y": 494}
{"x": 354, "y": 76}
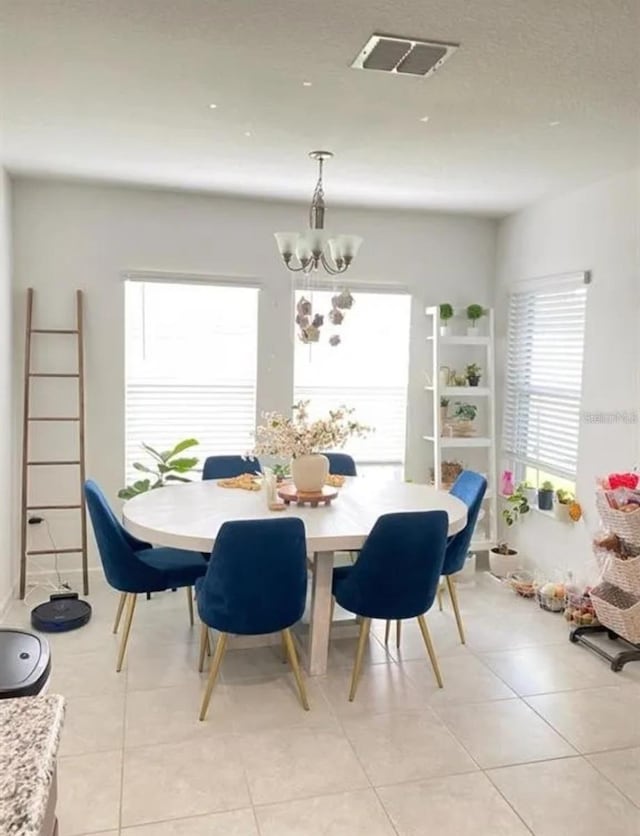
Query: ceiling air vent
{"x": 404, "y": 56}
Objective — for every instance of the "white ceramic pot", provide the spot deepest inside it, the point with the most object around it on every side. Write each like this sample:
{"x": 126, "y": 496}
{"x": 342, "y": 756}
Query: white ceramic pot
{"x": 561, "y": 512}
{"x": 532, "y": 496}
{"x": 502, "y": 564}
{"x": 444, "y": 330}
{"x": 309, "y": 473}
{"x": 472, "y": 331}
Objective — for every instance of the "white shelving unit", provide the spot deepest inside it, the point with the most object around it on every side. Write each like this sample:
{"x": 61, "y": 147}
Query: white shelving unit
{"x": 448, "y": 351}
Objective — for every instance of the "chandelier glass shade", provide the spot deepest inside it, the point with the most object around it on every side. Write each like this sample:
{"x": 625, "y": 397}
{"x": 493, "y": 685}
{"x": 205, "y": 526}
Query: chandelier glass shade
{"x": 316, "y": 247}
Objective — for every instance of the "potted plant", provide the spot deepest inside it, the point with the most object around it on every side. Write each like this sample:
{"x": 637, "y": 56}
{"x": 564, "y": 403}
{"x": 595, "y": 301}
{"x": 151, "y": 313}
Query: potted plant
{"x": 166, "y": 466}
{"x": 565, "y": 500}
{"x": 473, "y": 373}
{"x": 474, "y": 313}
{"x": 529, "y": 491}
{"x": 503, "y": 559}
{"x": 301, "y": 440}
{"x": 446, "y": 313}
{"x": 281, "y": 472}
{"x": 444, "y": 404}
{"x": 545, "y": 496}
{"x": 464, "y": 416}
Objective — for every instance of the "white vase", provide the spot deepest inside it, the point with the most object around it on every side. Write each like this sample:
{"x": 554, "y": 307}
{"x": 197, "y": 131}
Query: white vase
{"x": 444, "y": 330}
{"x": 472, "y": 330}
{"x": 309, "y": 473}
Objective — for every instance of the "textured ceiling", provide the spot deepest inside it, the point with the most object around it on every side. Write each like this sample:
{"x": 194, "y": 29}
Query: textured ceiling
{"x": 120, "y": 90}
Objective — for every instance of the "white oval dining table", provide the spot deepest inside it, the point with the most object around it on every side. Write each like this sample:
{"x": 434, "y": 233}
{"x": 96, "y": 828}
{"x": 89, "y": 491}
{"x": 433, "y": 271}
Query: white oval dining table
{"x": 189, "y": 516}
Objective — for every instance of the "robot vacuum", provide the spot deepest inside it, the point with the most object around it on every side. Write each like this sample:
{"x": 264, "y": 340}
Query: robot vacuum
{"x": 63, "y": 611}
{"x": 25, "y": 664}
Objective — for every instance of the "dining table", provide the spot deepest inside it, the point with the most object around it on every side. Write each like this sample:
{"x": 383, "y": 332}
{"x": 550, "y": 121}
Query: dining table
{"x": 190, "y": 515}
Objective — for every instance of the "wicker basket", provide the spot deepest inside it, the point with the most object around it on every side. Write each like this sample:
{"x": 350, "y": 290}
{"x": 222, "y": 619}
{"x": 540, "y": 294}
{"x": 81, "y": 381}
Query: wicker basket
{"x": 625, "y": 525}
{"x": 618, "y": 610}
{"x": 623, "y": 573}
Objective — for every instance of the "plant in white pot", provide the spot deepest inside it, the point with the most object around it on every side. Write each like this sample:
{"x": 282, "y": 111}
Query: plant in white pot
{"x": 503, "y": 559}
{"x": 302, "y": 440}
{"x": 446, "y": 313}
{"x": 474, "y": 313}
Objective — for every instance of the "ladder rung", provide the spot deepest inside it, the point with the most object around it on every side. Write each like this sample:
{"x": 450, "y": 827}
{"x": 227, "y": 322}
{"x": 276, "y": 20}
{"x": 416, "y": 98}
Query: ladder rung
{"x": 63, "y": 418}
{"x": 54, "y": 374}
{"x": 56, "y": 551}
{"x": 53, "y": 331}
{"x": 52, "y": 464}
{"x": 50, "y": 507}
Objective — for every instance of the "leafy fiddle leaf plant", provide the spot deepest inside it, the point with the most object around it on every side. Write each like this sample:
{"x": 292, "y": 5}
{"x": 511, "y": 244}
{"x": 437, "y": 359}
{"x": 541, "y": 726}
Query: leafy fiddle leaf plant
{"x": 165, "y": 466}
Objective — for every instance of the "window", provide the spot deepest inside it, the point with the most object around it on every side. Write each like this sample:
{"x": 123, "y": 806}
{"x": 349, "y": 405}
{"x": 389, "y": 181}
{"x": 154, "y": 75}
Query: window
{"x": 545, "y": 341}
{"x": 191, "y": 352}
{"x": 368, "y": 371}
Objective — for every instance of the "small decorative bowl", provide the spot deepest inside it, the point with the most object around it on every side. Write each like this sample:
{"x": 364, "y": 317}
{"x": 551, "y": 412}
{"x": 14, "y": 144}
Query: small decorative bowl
{"x": 551, "y": 603}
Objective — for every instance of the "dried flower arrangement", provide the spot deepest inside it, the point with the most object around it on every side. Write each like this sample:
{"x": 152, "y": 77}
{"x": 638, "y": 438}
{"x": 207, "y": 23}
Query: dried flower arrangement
{"x": 298, "y": 436}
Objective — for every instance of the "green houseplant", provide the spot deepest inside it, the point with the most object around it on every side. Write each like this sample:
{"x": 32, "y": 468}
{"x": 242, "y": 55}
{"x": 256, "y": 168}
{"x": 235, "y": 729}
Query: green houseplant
{"x": 444, "y": 405}
{"x": 165, "y": 466}
{"x": 545, "y": 496}
{"x": 474, "y": 313}
{"x": 503, "y": 558}
{"x": 473, "y": 373}
{"x": 561, "y": 508}
{"x": 446, "y": 313}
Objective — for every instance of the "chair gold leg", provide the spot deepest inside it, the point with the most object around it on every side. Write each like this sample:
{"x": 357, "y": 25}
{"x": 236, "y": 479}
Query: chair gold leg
{"x": 190, "y": 603}
{"x": 121, "y": 602}
{"x": 128, "y": 618}
{"x": 387, "y": 630}
{"x": 333, "y": 609}
{"x": 440, "y": 595}
{"x": 430, "y": 649}
{"x": 221, "y": 646}
{"x": 398, "y": 633}
{"x": 285, "y": 653}
{"x": 204, "y": 646}
{"x": 453, "y": 594}
{"x": 295, "y": 667}
{"x": 365, "y": 625}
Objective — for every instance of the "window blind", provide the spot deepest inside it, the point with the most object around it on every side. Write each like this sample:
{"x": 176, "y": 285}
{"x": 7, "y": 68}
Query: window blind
{"x": 191, "y": 353}
{"x": 543, "y": 387}
{"x": 368, "y": 371}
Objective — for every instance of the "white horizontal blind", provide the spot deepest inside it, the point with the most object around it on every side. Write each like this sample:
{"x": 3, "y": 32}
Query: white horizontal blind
{"x": 191, "y": 353}
{"x": 368, "y": 371}
{"x": 544, "y": 375}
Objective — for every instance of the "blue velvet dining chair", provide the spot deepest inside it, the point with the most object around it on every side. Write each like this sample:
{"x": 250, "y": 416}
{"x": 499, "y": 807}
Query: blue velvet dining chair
{"x": 470, "y": 487}
{"x": 256, "y": 583}
{"x": 227, "y": 467}
{"x": 341, "y": 464}
{"x": 133, "y": 566}
{"x": 395, "y": 577}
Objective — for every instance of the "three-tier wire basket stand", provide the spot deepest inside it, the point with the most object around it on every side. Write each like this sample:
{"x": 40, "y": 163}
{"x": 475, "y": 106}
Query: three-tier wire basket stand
{"x": 616, "y": 599}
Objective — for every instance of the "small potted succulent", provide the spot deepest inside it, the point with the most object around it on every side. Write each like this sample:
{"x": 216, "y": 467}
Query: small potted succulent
{"x": 446, "y": 313}
{"x": 503, "y": 559}
{"x": 474, "y": 313}
{"x": 565, "y": 499}
{"x": 545, "y": 496}
{"x": 473, "y": 373}
{"x": 444, "y": 405}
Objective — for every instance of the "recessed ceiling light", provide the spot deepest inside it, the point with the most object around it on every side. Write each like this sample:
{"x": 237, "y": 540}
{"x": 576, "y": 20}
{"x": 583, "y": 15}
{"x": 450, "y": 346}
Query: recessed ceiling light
{"x": 424, "y": 118}
{"x": 247, "y": 133}
{"x": 213, "y": 106}
{"x": 554, "y": 124}
{"x": 307, "y": 83}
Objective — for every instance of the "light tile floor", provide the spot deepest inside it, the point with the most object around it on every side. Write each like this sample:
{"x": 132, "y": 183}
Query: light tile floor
{"x": 530, "y": 735}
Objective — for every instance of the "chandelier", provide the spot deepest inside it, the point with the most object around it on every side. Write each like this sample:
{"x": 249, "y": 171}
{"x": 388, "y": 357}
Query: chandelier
{"x": 316, "y": 247}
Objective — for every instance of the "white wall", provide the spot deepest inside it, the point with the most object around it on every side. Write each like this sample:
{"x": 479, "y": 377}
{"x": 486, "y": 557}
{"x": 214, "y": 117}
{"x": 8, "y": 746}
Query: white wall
{"x": 71, "y": 235}
{"x": 7, "y": 507}
{"x": 597, "y": 229}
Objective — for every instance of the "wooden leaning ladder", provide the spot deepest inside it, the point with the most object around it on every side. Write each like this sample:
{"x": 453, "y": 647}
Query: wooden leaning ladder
{"x": 29, "y": 419}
